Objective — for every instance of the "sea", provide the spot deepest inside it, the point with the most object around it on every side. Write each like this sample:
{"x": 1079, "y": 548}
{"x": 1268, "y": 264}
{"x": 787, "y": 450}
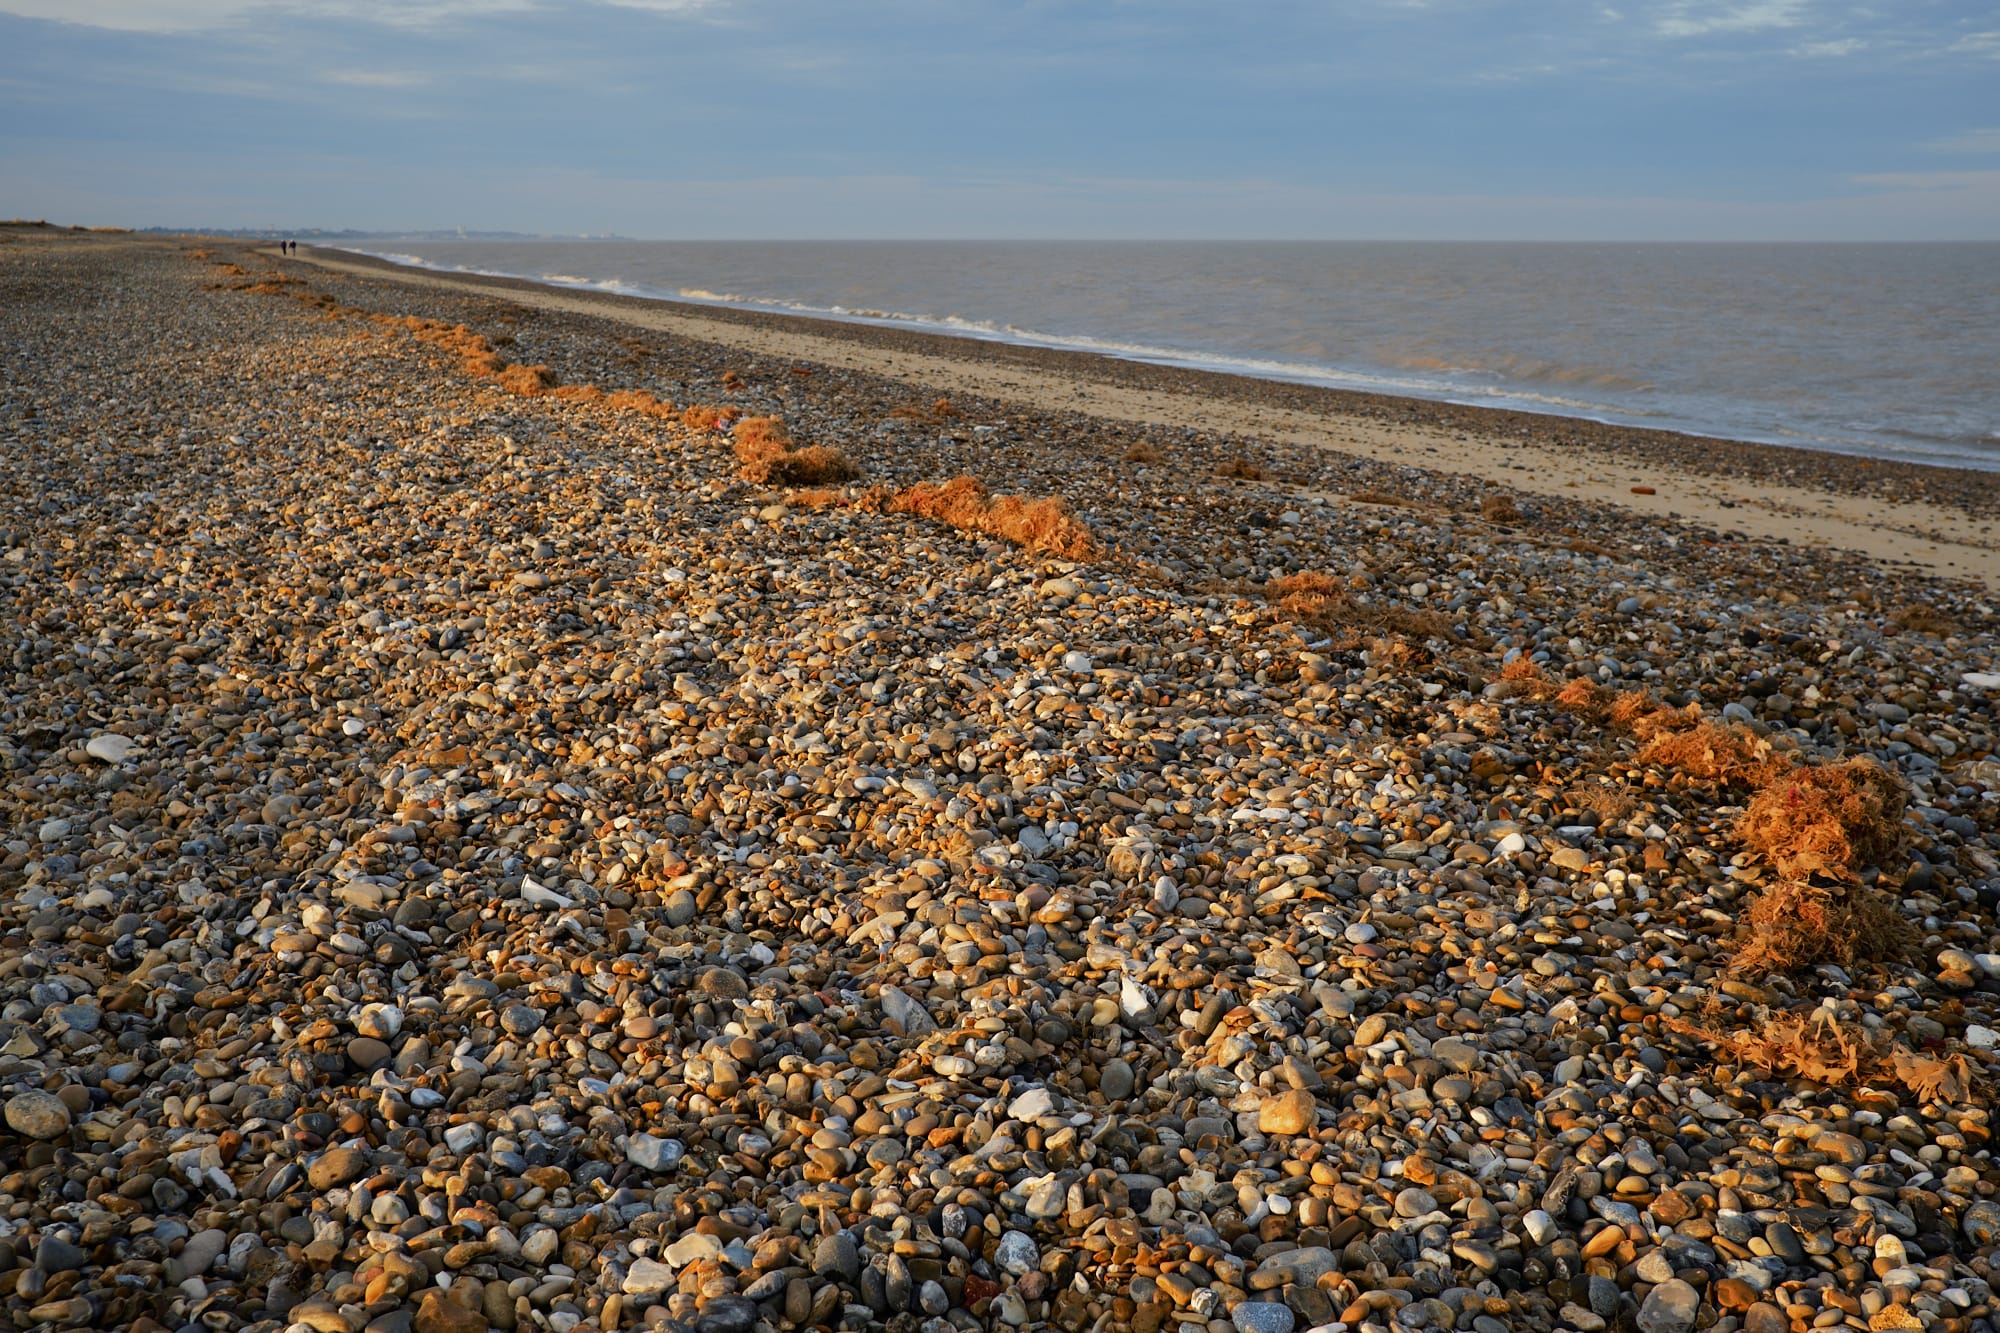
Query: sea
{"x": 1885, "y": 351}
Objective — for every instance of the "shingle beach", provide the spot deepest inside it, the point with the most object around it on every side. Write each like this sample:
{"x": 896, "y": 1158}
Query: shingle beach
{"x": 474, "y": 861}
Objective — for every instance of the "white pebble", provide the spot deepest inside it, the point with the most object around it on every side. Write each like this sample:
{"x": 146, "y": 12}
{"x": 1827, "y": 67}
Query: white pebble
{"x": 110, "y": 747}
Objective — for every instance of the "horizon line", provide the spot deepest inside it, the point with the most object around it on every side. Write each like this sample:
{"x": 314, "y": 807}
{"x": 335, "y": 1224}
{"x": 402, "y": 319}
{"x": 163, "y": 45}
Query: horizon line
{"x": 447, "y": 233}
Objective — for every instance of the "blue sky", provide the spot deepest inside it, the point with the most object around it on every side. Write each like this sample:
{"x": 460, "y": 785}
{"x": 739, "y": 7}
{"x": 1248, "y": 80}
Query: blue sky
{"x": 1475, "y": 119}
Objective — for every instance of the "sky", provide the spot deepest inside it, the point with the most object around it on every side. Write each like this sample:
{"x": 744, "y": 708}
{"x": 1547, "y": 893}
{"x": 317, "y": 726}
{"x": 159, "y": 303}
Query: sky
{"x": 1257, "y": 119}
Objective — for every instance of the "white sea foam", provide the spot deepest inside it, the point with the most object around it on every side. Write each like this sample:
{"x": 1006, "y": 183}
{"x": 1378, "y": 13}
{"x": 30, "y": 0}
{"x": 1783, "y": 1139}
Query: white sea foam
{"x": 1296, "y": 372}
{"x": 418, "y": 261}
{"x": 594, "y": 284}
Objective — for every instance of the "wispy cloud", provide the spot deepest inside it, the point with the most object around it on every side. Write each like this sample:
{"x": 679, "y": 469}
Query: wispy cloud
{"x": 1700, "y": 18}
{"x": 1438, "y": 111}
{"x": 1981, "y": 181}
{"x": 165, "y": 16}
{"x": 1846, "y": 46}
{"x": 666, "y": 6}
{"x": 1978, "y": 143}
{"x": 133, "y": 15}
{"x": 375, "y": 78}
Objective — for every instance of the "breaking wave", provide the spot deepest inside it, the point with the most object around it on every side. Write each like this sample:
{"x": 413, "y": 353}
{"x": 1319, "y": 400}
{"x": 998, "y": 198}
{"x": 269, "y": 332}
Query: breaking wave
{"x": 1452, "y": 389}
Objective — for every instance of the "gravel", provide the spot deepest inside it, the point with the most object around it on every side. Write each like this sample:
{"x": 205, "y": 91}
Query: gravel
{"x": 762, "y": 915}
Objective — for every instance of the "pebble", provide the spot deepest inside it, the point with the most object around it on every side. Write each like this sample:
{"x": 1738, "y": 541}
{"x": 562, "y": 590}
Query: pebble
{"x": 110, "y": 747}
{"x": 727, "y": 1314}
{"x": 837, "y": 1256}
{"x": 57, "y": 1254}
{"x": 1292, "y": 1112}
{"x": 1456, "y": 1053}
{"x": 438, "y": 1313}
{"x": 524, "y": 876}
{"x": 368, "y": 1053}
{"x": 1261, "y": 1317}
{"x": 337, "y": 1166}
{"x": 654, "y": 1154}
{"x": 1415, "y": 1203}
{"x": 202, "y": 1249}
{"x": 1671, "y": 1307}
{"x": 691, "y": 1248}
{"x": 1538, "y": 1225}
{"x": 38, "y": 1115}
{"x": 1016, "y": 1253}
{"x": 1654, "y": 1266}
{"x": 382, "y": 1021}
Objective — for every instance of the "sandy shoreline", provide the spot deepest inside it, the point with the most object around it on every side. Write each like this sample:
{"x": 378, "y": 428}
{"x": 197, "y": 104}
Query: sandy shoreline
{"x": 1938, "y": 520}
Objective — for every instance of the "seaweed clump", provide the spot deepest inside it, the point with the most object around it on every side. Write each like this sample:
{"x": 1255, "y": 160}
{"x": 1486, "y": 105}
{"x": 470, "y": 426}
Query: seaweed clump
{"x": 1822, "y": 828}
{"x": 767, "y": 456}
{"x": 1832, "y": 820}
{"x": 1045, "y": 525}
{"x": 1314, "y": 598}
{"x": 1724, "y": 756}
